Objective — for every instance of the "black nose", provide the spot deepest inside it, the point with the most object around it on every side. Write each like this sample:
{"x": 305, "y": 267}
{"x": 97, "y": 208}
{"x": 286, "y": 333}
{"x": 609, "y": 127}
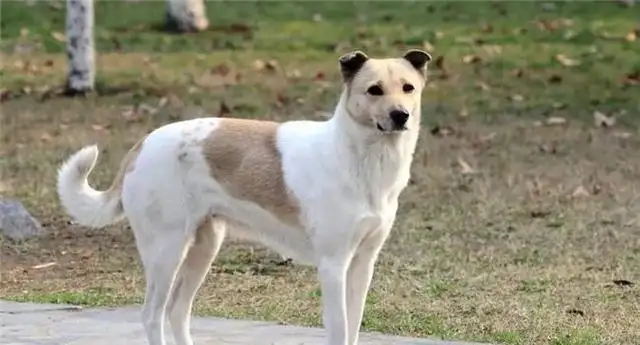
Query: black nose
{"x": 399, "y": 117}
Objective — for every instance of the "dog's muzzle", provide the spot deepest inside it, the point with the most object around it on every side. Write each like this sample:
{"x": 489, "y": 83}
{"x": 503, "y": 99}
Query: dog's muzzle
{"x": 398, "y": 121}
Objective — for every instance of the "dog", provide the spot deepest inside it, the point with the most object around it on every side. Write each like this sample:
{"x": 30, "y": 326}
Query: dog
{"x": 324, "y": 193}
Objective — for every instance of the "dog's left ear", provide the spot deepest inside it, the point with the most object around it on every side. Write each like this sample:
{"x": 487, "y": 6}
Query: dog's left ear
{"x": 418, "y": 59}
{"x": 351, "y": 63}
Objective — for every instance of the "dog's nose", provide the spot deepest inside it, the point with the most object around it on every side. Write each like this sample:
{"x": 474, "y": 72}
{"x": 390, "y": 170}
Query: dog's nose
{"x": 399, "y": 117}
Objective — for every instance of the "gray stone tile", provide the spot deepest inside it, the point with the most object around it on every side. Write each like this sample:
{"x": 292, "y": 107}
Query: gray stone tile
{"x": 35, "y": 324}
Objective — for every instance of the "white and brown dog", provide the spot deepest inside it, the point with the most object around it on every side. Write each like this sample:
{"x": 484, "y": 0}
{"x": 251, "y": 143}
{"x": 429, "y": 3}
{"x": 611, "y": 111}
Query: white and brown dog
{"x": 321, "y": 192}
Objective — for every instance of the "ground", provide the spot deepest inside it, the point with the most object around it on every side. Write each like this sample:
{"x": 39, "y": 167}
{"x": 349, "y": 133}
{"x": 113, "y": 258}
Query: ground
{"x": 522, "y": 221}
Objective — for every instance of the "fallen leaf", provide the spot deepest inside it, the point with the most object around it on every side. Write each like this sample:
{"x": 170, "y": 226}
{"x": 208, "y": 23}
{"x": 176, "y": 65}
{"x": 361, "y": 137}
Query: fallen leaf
{"x": 622, "y": 135}
{"x": 271, "y": 65}
{"x": 539, "y": 213}
{"x": 426, "y": 45}
{"x": 58, "y": 36}
{"x": 220, "y": 69}
{"x": 162, "y": 102}
{"x": 555, "y": 79}
{"x": 602, "y": 120}
{"x": 471, "y": 59}
{"x": 147, "y": 109}
{"x": 483, "y": 86}
{"x": 5, "y": 95}
{"x": 567, "y": 62}
{"x": 633, "y": 78}
{"x": 40, "y": 266}
{"x": 580, "y": 192}
{"x": 46, "y": 137}
{"x": 5, "y": 187}
{"x": 45, "y": 92}
{"x": 224, "y": 109}
{"x": 19, "y": 64}
{"x": 319, "y": 75}
{"x": 464, "y": 39}
{"x": 259, "y": 65}
{"x": 492, "y": 49}
{"x": 623, "y": 282}
{"x": 443, "y": 131}
{"x": 483, "y": 142}
{"x": 85, "y": 253}
{"x": 465, "y": 168}
{"x": 98, "y": 128}
{"x": 555, "y": 121}
{"x": 48, "y": 63}
{"x": 518, "y": 72}
{"x": 439, "y": 62}
{"x": 294, "y": 74}
{"x": 569, "y": 34}
{"x": 547, "y": 25}
{"x": 130, "y": 114}
{"x": 488, "y": 137}
{"x": 516, "y": 98}
{"x": 282, "y": 100}
{"x": 575, "y": 312}
{"x": 323, "y": 114}
{"x": 548, "y": 148}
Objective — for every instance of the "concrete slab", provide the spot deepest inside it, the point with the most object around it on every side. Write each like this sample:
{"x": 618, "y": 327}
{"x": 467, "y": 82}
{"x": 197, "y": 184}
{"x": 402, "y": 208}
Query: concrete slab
{"x": 49, "y": 324}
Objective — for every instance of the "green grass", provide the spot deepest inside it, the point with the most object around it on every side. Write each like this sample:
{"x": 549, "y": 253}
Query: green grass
{"x": 506, "y": 255}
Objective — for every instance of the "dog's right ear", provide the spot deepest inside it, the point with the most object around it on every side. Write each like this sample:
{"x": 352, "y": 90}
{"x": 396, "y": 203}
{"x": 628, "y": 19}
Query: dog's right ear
{"x": 351, "y": 63}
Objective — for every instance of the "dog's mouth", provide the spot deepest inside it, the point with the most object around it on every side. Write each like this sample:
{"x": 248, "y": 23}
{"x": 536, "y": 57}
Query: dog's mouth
{"x": 390, "y": 131}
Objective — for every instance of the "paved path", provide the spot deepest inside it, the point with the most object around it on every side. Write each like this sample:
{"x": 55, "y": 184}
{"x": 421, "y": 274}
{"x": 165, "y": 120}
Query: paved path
{"x": 48, "y": 324}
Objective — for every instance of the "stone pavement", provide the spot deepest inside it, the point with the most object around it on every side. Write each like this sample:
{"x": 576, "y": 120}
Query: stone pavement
{"x": 50, "y": 324}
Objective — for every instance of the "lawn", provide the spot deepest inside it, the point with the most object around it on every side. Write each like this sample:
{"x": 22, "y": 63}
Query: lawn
{"x": 522, "y": 221}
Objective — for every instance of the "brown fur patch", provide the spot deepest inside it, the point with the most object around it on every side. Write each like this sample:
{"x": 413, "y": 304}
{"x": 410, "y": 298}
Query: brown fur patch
{"x": 126, "y": 165}
{"x": 243, "y": 157}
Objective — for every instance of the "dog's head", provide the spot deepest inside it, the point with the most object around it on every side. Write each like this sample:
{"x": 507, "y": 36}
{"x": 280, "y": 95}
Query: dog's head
{"x": 384, "y": 94}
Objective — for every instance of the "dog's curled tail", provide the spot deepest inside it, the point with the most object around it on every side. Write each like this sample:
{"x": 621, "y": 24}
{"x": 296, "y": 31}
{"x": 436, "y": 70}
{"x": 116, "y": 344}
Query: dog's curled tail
{"x": 87, "y": 206}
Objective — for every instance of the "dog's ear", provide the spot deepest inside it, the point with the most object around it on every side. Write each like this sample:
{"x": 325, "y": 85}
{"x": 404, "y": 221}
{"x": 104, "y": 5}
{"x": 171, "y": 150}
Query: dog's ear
{"x": 351, "y": 63}
{"x": 417, "y": 58}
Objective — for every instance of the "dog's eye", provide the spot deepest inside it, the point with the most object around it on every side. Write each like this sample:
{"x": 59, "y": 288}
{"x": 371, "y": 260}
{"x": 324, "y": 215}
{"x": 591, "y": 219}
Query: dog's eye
{"x": 375, "y": 90}
{"x": 407, "y": 88}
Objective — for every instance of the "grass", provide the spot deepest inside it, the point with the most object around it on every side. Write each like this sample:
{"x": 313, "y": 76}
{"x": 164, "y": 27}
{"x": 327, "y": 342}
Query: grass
{"x": 523, "y": 249}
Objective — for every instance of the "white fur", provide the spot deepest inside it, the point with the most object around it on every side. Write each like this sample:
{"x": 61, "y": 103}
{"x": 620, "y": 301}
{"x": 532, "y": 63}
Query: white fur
{"x": 346, "y": 177}
{"x": 85, "y": 204}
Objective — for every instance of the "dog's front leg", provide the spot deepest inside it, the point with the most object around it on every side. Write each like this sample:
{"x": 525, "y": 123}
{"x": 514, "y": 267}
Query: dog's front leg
{"x": 332, "y": 274}
{"x": 359, "y": 277}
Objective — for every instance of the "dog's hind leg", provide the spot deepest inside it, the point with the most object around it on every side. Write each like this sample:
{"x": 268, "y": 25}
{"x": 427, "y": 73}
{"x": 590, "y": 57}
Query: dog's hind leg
{"x": 162, "y": 249}
{"x": 194, "y": 268}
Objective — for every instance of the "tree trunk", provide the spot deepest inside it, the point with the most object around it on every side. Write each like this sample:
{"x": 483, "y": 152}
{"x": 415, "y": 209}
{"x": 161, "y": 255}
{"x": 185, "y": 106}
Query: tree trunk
{"x": 186, "y": 15}
{"x": 80, "y": 47}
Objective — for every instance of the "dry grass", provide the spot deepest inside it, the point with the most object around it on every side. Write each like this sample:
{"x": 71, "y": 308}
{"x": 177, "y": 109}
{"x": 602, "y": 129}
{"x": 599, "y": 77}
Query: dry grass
{"x": 510, "y": 232}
